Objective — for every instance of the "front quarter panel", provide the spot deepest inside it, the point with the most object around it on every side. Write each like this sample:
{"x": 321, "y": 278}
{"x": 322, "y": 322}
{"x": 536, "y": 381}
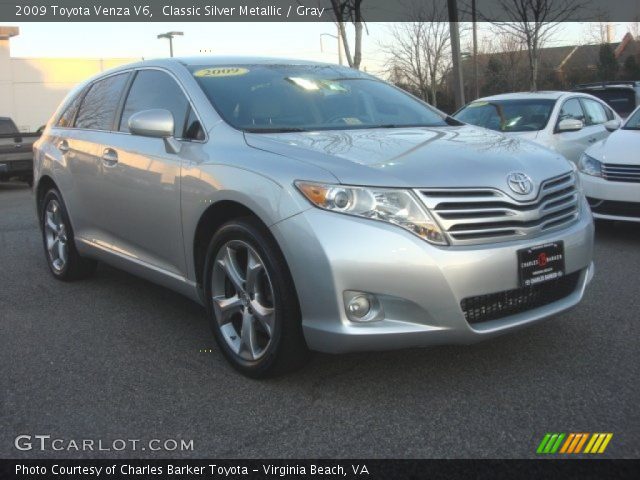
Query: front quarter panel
{"x": 230, "y": 170}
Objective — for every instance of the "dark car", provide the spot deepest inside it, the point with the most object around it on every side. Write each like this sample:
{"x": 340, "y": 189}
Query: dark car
{"x": 16, "y": 152}
{"x": 622, "y": 96}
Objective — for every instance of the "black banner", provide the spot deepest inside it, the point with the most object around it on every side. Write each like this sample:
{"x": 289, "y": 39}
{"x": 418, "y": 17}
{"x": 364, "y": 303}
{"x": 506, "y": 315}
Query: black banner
{"x": 294, "y": 10}
{"x": 325, "y": 469}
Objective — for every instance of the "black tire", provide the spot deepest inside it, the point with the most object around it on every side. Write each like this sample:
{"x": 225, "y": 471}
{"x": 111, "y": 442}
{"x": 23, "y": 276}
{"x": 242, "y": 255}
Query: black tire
{"x": 286, "y": 350}
{"x": 75, "y": 267}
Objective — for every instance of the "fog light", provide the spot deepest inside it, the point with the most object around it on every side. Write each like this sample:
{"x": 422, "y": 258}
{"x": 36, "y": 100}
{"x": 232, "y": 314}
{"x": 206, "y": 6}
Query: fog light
{"x": 362, "y": 306}
{"x": 359, "y": 306}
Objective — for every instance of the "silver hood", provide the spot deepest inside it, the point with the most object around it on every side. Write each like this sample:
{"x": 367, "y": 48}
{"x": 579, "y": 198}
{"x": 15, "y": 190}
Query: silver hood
{"x": 619, "y": 147}
{"x": 463, "y": 156}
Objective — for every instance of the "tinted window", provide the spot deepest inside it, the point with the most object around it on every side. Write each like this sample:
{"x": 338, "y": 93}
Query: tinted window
{"x": 98, "y": 108}
{"x": 595, "y": 113}
{"x": 155, "y": 89}
{"x": 308, "y": 97}
{"x": 571, "y": 110}
{"x": 7, "y": 127}
{"x": 66, "y": 119}
{"x": 508, "y": 115}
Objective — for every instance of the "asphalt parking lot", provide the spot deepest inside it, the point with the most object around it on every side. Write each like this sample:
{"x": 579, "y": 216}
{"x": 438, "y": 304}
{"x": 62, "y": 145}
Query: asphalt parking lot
{"x": 116, "y": 357}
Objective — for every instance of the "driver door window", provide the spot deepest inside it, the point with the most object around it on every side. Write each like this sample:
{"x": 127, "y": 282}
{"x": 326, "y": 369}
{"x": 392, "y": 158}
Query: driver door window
{"x": 571, "y": 110}
{"x": 155, "y": 89}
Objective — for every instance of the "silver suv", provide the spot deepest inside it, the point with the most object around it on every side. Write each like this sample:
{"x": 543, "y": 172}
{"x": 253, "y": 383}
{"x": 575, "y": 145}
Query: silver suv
{"x": 309, "y": 206}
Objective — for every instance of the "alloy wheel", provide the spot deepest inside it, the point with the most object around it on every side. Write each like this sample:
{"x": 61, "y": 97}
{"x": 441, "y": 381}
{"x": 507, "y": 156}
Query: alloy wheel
{"x": 56, "y": 239}
{"x": 243, "y": 300}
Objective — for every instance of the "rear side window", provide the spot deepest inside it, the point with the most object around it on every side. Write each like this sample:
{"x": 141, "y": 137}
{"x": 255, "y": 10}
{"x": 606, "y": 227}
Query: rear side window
{"x": 66, "y": 119}
{"x": 596, "y": 114}
{"x": 98, "y": 108}
{"x": 155, "y": 89}
{"x": 572, "y": 110}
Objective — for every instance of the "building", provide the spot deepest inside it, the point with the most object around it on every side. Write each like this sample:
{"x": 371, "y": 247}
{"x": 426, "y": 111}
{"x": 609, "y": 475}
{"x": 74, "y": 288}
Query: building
{"x": 32, "y": 88}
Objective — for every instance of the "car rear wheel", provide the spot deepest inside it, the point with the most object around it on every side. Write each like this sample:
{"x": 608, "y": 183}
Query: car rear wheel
{"x": 65, "y": 263}
{"x": 251, "y": 301}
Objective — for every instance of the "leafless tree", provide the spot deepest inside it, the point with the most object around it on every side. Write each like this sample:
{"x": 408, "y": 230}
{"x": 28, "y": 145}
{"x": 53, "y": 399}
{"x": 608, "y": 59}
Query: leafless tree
{"x": 350, "y": 11}
{"x": 419, "y": 50}
{"x": 534, "y": 22}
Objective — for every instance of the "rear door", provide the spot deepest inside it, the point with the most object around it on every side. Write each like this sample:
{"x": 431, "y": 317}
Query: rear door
{"x": 141, "y": 206}
{"x": 572, "y": 144}
{"x": 77, "y": 139}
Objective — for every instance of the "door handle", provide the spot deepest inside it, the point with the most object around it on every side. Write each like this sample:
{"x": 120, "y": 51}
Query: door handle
{"x": 592, "y": 140}
{"x": 110, "y": 157}
{"x": 63, "y": 146}
{"x": 18, "y": 145}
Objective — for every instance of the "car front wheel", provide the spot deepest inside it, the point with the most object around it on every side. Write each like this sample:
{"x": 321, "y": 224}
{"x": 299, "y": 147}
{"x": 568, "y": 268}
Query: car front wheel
{"x": 251, "y": 301}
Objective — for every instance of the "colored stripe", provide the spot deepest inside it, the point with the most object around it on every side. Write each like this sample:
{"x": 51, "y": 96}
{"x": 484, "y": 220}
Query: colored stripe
{"x": 596, "y": 446}
{"x": 593, "y": 439}
{"x": 554, "y": 449}
{"x": 567, "y": 443}
{"x": 543, "y": 443}
{"x": 576, "y": 440}
{"x": 605, "y": 443}
{"x": 550, "y": 443}
{"x": 582, "y": 440}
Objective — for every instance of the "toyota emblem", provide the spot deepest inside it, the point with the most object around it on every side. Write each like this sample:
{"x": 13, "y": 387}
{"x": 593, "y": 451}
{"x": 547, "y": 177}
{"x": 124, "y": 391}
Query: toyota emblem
{"x": 520, "y": 183}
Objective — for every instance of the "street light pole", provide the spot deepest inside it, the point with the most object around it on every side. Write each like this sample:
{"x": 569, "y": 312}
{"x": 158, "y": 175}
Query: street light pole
{"x": 170, "y": 36}
{"x": 339, "y": 39}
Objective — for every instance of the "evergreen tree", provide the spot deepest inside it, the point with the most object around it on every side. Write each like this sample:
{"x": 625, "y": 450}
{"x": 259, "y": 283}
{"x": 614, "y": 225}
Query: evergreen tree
{"x": 607, "y": 64}
{"x": 631, "y": 69}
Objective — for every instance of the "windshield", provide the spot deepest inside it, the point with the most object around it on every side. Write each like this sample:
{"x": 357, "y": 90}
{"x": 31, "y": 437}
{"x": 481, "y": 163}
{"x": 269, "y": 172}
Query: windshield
{"x": 633, "y": 122}
{"x": 508, "y": 115}
{"x": 268, "y": 98}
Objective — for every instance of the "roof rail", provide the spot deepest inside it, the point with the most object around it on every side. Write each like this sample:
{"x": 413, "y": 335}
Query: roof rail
{"x": 633, "y": 83}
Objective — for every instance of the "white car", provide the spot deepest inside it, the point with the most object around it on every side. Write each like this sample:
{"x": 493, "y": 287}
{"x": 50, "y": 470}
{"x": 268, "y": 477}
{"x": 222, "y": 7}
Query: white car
{"x": 567, "y": 122}
{"x": 610, "y": 173}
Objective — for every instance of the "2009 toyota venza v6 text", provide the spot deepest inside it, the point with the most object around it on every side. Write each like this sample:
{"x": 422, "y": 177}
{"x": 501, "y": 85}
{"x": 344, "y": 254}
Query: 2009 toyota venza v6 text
{"x": 309, "y": 206}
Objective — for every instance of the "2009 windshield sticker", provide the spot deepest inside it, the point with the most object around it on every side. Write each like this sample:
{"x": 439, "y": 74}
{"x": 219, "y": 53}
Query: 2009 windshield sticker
{"x": 221, "y": 72}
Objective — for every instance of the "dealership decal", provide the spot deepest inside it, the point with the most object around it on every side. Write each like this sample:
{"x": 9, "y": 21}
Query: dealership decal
{"x": 574, "y": 443}
{"x": 221, "y": 72}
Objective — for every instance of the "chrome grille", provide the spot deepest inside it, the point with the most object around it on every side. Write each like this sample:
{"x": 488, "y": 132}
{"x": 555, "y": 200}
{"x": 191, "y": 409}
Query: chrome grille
{"x": 616, "y": 172}
{"x": 484, "y": 215}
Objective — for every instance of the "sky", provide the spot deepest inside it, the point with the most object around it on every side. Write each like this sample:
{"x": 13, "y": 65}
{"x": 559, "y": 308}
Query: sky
{"x": 293, "y": 40}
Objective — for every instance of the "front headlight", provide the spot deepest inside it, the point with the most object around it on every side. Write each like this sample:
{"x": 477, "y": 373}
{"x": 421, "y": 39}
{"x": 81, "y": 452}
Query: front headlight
{"x": 590, "y": 166}
{"x": 395, "y": 206}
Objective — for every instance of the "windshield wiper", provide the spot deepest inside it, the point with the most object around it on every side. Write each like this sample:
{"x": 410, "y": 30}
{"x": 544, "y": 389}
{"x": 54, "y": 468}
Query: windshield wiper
{"x": 275, "y": 130}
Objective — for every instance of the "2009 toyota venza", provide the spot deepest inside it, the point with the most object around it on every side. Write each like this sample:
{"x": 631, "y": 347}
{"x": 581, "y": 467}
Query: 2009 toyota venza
{"x": 309, "y": 206}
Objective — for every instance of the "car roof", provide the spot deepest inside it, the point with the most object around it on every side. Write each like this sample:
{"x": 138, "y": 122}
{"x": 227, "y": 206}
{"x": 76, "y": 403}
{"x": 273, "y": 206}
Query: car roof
{"x": 214, "y": 61}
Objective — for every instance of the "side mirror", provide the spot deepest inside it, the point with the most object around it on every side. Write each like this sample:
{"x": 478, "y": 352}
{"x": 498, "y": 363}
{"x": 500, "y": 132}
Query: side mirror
{"x": 156, "y": 123}
{"x": 570, "y": 125}
{"x": 612, "y": 125}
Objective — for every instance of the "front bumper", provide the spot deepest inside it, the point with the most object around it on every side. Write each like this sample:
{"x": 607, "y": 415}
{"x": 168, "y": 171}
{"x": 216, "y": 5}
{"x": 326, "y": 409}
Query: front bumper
{"x": 612, "y": 200}
{"x": 420, "y": 286}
